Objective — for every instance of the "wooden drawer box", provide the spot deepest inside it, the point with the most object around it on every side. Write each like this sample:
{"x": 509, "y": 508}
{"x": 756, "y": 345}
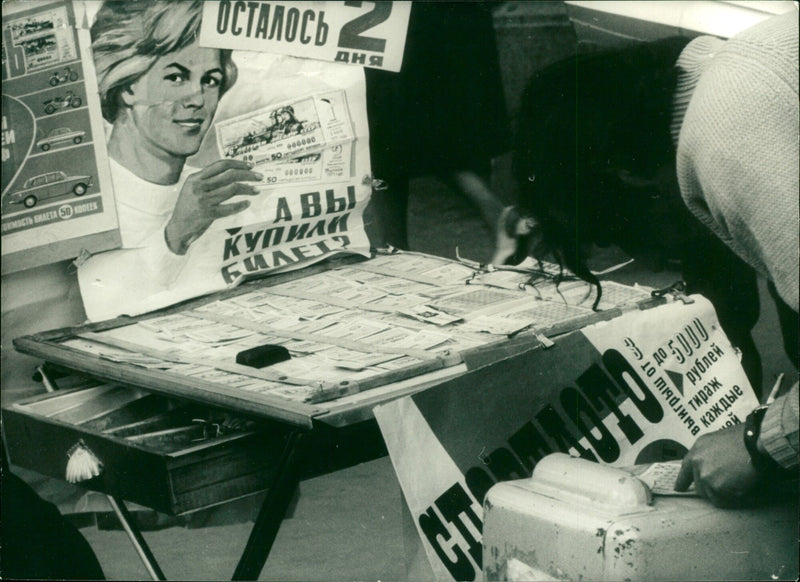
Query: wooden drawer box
{"x": 159, "y": 452}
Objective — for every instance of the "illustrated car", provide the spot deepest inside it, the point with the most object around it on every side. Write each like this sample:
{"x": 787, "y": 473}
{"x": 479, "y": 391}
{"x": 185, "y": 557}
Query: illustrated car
{"x": 60, "y": 136}
{"x": 50, "y": 185}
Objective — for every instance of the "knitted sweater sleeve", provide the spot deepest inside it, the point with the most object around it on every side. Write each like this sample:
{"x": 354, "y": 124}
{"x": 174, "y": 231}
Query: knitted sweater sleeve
{"x": 779, "y": 429}
{"x": 738, "y": 151}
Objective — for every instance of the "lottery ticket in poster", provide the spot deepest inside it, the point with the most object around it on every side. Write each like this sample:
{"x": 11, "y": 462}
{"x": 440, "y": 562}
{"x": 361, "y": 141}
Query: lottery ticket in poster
{"x": 329, "y": 165}
{"x": 57, "y": 200}
{"x": 286, "y": 130}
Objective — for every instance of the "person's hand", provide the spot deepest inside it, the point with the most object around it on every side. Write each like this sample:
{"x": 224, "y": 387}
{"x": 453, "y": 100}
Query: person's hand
{"x": 201, "y": 200}
{"x": 720, "y": 468}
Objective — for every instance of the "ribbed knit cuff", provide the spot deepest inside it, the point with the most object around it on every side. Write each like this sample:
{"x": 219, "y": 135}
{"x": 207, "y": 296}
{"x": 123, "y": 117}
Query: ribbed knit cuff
{"x": 779, "y": 430}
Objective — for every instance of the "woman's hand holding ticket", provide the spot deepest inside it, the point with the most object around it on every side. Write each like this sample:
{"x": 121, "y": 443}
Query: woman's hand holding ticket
{"x": 202, "y": 201}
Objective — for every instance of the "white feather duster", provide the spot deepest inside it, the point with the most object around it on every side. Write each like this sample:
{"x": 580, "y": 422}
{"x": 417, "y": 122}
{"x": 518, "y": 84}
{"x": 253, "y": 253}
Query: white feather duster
{"x": 82, "y": 463}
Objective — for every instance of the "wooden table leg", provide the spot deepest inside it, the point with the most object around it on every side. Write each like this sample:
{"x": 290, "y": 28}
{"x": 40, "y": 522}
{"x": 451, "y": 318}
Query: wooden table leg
{"x": 136, "y": 538}
{"x": 272, "y": 511}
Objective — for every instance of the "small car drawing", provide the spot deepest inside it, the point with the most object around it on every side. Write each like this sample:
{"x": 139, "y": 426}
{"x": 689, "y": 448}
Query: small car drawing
{"x": 50, "y": 185}
{"x": 59, "y": 136}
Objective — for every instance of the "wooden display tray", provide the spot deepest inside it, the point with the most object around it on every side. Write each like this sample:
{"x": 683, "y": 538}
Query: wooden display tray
{"x": 352, "y": 400}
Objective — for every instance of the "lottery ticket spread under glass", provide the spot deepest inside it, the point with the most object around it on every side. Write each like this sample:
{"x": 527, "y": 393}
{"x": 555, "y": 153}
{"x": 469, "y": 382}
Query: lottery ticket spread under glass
{"x": 354, "y": 332}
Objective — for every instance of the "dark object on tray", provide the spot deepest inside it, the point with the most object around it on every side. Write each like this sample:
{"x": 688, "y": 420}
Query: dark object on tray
{"x": 262, "y": 356}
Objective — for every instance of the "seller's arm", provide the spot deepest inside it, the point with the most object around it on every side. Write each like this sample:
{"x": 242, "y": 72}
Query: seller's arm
{"x": 722, "y": 468}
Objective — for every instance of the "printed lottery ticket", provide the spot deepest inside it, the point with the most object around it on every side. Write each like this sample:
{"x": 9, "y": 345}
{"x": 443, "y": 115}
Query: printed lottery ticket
{"x": 397, "y": 364}
{"x": 317, "y": 284}
{"x": 134, "y": 359}
{"x": 449, "y": 273}
{"x": 430, "y": 314}
{"x": 314, "y": 369}
{"x": 216, "y": 333}
{"x": 247, "y": 300}
{"x": 496, "y": 325}
{"x": 251, "y": 307}
{"x": 354, "y": 360}
{"x": 222, "y": 308}
{"x": 660, "y": 478}
{"x": 330, "y": 165}
{"x": 172, "y": 326}
{"x": 389, "y": 284}
{"x": 323, "y": 287}
{"x": 398, "y": 302}
{"x": 294, "y": 325}
{"x": 463, "y": 341}
{"x": 398, "y": 337}
{"x": 544, "y": 313}
{"x": 358, "y": 295}
{"x": 355, "y": 329}
{"x": 574, "y": 292}
{"x": 287, "y": 130}
{"x": 427, "y": 339}
{"x": 261, "y": 315}
{"x": 303, "y": 308}
{"x": 403, "y": 263}
{"x": 302, "y": 347}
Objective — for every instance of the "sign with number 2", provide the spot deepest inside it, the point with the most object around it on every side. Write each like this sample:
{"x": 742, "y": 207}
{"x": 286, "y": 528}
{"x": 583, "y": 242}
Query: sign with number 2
{"x": 368, "y": 34}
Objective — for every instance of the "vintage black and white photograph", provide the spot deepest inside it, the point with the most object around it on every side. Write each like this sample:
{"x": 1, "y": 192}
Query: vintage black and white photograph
{"x": 400, "y": 290}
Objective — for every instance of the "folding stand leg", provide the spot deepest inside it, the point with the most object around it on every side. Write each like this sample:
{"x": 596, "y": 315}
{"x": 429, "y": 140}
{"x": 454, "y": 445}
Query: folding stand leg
{"x": 136, "y": 538}
{"x": 272, "y": 511}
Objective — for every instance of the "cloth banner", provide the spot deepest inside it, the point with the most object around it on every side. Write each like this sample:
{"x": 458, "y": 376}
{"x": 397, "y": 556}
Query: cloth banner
{"x": 636, "y": 389}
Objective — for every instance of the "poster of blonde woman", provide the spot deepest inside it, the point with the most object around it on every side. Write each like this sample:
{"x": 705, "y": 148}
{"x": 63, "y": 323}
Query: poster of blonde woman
{"x": 225, "y": 164}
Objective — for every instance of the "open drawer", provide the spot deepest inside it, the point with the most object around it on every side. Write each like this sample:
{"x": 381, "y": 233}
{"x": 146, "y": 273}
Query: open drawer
{"x": 168, "y": 454}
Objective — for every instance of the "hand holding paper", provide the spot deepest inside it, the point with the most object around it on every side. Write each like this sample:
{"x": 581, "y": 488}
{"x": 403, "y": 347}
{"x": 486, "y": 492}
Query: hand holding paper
{"x": 202, "y": 198}
{"x": 720, "y": 468}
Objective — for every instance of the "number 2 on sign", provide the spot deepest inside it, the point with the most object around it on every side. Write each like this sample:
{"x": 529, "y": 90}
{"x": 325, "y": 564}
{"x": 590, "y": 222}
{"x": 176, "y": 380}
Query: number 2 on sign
{"x": 351, "y": 34}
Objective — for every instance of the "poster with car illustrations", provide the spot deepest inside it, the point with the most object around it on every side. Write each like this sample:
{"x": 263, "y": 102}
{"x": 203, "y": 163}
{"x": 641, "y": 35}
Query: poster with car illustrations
{"x": 57, "y": 201}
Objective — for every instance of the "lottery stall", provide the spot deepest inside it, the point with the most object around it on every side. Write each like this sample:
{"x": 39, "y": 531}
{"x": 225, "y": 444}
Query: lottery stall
{"x": 178, "y": 394}
{"x": 276, "y": 343}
